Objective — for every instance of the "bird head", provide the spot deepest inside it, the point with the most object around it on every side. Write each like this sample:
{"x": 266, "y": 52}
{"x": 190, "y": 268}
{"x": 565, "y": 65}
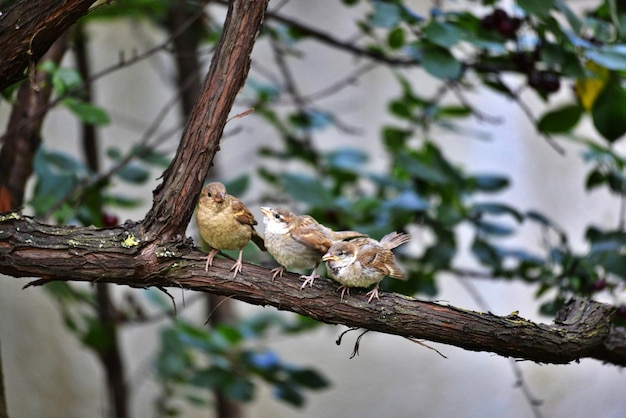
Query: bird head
{"x": 277, "y": 220}
{"x": 215, "y": 191}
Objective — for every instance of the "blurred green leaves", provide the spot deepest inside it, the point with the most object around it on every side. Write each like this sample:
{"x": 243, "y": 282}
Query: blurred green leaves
{"x": 224, "y": 358}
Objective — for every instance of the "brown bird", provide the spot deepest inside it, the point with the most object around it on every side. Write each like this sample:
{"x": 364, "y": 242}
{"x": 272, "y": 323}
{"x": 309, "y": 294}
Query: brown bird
{"x": 362, "y": 262}
{"x": 298, "y": 242}
{"x": 225, "y": 223}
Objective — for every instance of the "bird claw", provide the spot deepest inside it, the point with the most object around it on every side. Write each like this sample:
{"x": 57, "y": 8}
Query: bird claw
{"x": 372, "y": 294}
{"x": 344, "y": 289}
{"x": 278, "y": 271}
{"x": 309, "y": 280}
{"x": 209, "y": 259}
{"x": 238, "y": 266}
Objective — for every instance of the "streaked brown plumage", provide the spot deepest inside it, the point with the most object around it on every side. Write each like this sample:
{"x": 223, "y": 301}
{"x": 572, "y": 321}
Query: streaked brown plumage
{"x": 225, "y": 223}
{"x": 298, "y": 241}
{"x": 362, "y": 262}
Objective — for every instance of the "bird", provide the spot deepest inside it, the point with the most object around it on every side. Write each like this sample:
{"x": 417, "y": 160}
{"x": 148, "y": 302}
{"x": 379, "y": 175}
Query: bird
{"x": 298, "y": 241}
{"x": 362, "y": 262}
{"x": 225, "y": 223}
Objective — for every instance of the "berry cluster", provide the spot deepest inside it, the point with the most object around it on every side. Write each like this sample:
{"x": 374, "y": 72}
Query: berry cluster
{"x": 500, "y": 20}
{"x": 545, "y": 82}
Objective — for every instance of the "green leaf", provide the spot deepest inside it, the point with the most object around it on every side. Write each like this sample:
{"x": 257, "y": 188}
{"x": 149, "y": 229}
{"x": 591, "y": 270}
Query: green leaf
{"x": 347, "y": 159}
{"x": 308, "y": 378}
{"x": 561, "y": 120}
{"x": 492, "y": 228}
{"x": 395, "y": 38}
{"x": 612, "y": 57}
{"x": 408, "y": 200}
{"x": 535, "y": 7}
{"x": 571, "y": 17}
{"x": 442, "y": 34}
{"x": 385, "y": 15}
{"x": 485, "y": 253}
{"x": 490, "y": 182}
{"x": 305, "y": 188}
{"x": 133, "y": 173}
{"x": 497, "y": 209}
{"x": 421, "y": 170}
{"x": 440, "y": 63}
{"x": 595, "y": 179}
{"x": 395, "y": 138}
{"x": 87, "y": 112}
{"x": 238, "y": 388}
{"x": 609, "y": 111}
{"x": 288, "y": 393}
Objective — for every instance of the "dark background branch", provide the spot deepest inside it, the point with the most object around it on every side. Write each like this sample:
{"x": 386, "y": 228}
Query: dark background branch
{"x": 30, "y": 28}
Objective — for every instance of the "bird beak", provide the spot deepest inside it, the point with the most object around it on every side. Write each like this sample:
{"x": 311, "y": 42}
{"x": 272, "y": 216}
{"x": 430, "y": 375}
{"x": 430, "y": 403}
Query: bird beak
{"x": 267, "y": 212}
{"x": 329, "y": 257}
{"x": 219, "y": 198}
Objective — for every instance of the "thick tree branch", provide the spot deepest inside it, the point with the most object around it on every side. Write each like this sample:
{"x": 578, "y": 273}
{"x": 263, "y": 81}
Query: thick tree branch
{"x": 28, "y": 28}
{"x": 119, "y": 255}
{"x": 176, "y": 197}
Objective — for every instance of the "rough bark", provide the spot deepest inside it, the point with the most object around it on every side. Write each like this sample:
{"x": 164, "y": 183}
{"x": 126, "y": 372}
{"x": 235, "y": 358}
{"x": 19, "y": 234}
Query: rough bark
{"x": 119, "y": 255}
{"x": 177, "y": 195}
{"x": 28, "y": 28}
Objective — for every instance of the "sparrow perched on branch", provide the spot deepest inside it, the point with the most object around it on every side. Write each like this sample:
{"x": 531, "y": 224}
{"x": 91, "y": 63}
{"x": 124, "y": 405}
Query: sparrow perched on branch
{"x": 362, "y": 262}
{"x": 225, "y": 223}
{"x": 298, "y": 241}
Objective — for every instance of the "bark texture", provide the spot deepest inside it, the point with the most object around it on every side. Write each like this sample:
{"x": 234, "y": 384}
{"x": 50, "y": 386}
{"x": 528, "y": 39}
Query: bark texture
{"x": 28, "y": 28}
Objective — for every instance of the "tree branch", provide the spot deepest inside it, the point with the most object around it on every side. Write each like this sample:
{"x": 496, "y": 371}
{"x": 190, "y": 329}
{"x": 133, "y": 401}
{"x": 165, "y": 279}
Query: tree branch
{"x": 176, "y": 197}
{"x": 119, "y": 255}
{"x": 28, "y": 28}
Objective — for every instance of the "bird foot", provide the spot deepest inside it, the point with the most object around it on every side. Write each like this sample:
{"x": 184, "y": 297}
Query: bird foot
{"x": 372, "y": 294}
{"x": 237, "y": 267}
{"x": 278, "y": 271}
{"x": 309, "y": 280}
{"x": 344, "y": 289}
{"x": 209, "y": 259}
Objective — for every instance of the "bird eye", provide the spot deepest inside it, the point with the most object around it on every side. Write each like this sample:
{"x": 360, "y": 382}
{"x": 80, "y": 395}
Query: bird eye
{"x": 277, "y": 216}
{"x": 208, "y": 194}
{"x": 340, "y": 253}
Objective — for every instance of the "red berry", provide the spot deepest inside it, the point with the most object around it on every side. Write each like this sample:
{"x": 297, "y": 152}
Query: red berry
{"x": 598, "y": 285}
{"x": 551, "y": 82}
{"x": 499, "y": 15}
{"x": 110, "y": 220}
{"x": 535, "y": 79}
{"x": 525, "y": 61}
{"x": 507, "y": 28}
{"x": 488, "y": 22}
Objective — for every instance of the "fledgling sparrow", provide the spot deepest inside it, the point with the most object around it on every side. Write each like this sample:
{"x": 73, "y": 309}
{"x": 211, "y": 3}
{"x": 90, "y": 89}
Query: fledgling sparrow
{"x": 225, "y": 223}
{"x": 298, "y": 241}
{"x": 362, "y": 262}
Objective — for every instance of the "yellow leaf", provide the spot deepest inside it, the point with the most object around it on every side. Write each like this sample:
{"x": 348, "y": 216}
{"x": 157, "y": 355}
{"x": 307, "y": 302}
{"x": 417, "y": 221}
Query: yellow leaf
{"x": 587, "y": 89}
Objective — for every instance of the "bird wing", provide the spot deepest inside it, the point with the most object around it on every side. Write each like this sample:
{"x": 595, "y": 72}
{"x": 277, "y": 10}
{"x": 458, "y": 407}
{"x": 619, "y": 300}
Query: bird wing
{"x": 242, "y": 213}
{"x": 376, "y": 256}
{"x": 394, "y": 239}
{"x": 310, "y": 234}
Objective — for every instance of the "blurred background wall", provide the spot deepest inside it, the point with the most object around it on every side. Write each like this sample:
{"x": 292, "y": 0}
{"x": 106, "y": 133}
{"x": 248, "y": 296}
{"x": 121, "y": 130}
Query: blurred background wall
{"x": 48, "y": 374}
